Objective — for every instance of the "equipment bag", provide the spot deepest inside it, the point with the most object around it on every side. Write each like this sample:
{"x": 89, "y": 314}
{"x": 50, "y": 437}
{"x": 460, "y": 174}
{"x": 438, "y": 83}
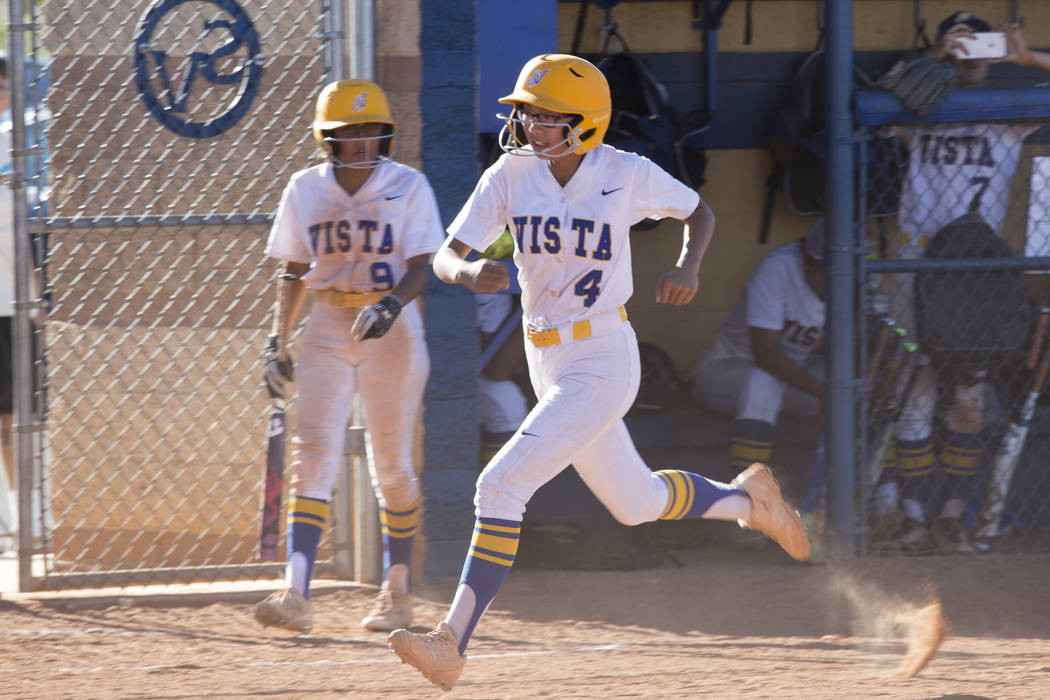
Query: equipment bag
{"x": 796, "y": 143}
{"x": 969, "y": 316}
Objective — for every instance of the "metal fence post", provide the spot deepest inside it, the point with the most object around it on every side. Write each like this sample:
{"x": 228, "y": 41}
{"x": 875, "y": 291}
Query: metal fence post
{"x": 841, "y": 283}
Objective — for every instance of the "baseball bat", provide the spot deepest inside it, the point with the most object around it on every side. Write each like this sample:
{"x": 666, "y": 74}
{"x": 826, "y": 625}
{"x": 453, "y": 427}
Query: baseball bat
{"x": 274, "y": 483}
{"x": 1009, "y": 454}
{"x": 883, "y": 434}
{"x": 898, "y": 352}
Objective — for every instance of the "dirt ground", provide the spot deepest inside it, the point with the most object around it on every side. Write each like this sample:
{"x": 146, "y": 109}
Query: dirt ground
{"x": 722, "y": 624}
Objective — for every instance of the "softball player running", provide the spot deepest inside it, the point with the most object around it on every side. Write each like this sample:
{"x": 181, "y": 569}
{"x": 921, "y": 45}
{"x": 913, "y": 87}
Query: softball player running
{"x": 570, "y": 207}
{"x": 358, "y": 233}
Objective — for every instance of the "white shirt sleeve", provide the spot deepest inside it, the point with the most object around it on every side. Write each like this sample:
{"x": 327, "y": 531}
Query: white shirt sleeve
{"x": 287, "y": 240}
{"x": 656, "y": 194}
{"x": 483, "y": 218}
{"x": 423, "y": 231}
{"x": 766, "y": 291}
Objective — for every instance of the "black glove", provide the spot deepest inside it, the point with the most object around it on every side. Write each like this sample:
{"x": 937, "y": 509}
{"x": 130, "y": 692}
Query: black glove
{"x": 277, "y": 372}
{"x": 920, "y": 82}
{"x": 375, "y": 320}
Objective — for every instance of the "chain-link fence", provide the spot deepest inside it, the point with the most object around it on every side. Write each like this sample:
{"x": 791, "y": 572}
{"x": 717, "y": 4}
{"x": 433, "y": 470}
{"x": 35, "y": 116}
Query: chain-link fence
{"x": 958, "y": 222}
{"x": 165, "y": 132}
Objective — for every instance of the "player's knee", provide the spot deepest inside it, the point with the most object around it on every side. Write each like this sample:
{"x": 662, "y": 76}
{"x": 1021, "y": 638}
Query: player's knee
{"x": 495, "y": 497}
{"x": 400, "y": 489}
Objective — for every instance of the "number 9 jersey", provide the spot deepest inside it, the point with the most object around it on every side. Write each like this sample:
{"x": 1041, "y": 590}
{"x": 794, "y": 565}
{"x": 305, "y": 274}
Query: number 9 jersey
{"x": 359, "y": 242}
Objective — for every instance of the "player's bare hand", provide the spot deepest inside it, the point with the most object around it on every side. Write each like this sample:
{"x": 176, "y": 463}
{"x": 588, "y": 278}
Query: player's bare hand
{"x": 677, "y": 287}
{"x": 948, "y": 46}
{"x": 485, "y": 276}
{"x": 1016, "y": 49}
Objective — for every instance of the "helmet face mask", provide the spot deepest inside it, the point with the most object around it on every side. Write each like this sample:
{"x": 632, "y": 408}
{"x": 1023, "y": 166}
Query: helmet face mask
{"x": 353, "y": 102}
{"x": 372, "y": 158}
{"x": 565, "y": 85}
{"x": 513, "y": 136}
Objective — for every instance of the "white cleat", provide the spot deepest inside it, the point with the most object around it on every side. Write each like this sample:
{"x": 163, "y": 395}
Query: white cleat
{"x": 286, "y": 608}
{"x": 770, "y": 514}
{"x": 392, "y": 610}
{"x": 434, "y": 654}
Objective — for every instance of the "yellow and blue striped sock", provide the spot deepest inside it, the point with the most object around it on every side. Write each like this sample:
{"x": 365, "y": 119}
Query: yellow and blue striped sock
{"x": 960, "y": 457}
{"x": 691, "y": 495}
{"x": 399, "y": 529}
{"x": 750, "y": 441}
{"x": 492, "y": 551}
{"x": 307, "y": 518}
{"x": 915, "y": 460}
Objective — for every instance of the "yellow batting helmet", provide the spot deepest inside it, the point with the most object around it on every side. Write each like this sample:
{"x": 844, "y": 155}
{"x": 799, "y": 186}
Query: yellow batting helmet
{"x": 346, "y": 102}
{"x": 568, "y": 85}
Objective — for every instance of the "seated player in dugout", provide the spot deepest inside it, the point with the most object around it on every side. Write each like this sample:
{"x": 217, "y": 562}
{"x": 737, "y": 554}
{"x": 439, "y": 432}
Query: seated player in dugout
{"x": 762, "y": 362}
{"x": 570, "y": 201}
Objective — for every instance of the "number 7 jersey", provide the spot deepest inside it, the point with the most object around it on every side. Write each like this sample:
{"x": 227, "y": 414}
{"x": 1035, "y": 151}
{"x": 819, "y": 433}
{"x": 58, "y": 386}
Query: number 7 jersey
{"x": 572, "y": 243}
{"x": 953, "y": 168}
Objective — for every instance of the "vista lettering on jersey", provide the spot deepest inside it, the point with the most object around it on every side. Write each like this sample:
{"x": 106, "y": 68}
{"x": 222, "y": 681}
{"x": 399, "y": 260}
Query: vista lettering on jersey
{"x": 528, "y": 231}
{"x": 938, "y": 149}
{"x": 796, "y": 334}
{"x": 329, "y": 237}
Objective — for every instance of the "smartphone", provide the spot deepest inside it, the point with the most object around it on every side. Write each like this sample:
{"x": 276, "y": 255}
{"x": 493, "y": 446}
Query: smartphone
{"x": 982, "y": 45}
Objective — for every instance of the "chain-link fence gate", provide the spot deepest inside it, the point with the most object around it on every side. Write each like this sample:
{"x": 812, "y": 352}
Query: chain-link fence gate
{"x": 958, "y": 218}
{"x": 161, "y": 136}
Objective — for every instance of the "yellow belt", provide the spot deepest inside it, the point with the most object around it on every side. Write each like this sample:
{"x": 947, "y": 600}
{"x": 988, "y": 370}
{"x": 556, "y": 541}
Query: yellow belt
{"x": 602, "y": 323}
{"x": 334, "y": 297}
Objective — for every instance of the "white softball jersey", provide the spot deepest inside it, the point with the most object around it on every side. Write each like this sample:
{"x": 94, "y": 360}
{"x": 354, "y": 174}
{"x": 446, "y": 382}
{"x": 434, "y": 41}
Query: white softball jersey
{"x": 572, "y": 244}
{"x": 777, "y": 297}
{"x": 360, "y": 242}
{"x": 572, "y": 249}
{"x": 357, "y": 243}
{"x": 953, "y": 167}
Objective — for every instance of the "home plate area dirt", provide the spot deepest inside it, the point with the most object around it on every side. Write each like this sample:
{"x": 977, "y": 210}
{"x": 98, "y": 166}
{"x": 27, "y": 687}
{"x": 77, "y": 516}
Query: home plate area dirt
{"x": 711, "y": 623}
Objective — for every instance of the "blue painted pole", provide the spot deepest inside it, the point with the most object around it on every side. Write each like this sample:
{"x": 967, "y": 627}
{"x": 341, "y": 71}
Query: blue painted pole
{"x": 841, "y": 282}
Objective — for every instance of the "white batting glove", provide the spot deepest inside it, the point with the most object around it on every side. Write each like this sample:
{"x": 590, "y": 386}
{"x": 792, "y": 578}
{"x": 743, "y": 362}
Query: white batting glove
{"x": 375, "y": 320}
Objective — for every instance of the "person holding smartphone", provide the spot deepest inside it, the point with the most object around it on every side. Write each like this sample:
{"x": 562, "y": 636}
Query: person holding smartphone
{"x": 951, "y": 46}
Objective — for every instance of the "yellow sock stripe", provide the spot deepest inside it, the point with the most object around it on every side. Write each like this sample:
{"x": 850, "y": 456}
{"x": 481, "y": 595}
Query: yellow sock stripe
{"x": 495, "y": 543}
{"x": 915, "y": 462}
{"x": 686, "y": 494}
{"x": 307, "y": 510}
{"x": 960, "y": 460}
{"x": 680, "y": 494}
{"x": 750, "y": 442}
{"x": 399, "y": 523}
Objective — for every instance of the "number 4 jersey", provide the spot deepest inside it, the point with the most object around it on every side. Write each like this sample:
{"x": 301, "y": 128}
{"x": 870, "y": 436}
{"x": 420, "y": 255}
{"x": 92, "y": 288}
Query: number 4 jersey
{"x": 572, "y": 243}
{"x": 952, "y": 169}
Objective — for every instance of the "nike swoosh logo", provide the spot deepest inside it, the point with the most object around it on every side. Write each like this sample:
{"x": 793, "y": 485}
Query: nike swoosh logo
{"x": 526, "y": 432}
{"x": 393, "y": 196}
{"x": 615, "y": 189}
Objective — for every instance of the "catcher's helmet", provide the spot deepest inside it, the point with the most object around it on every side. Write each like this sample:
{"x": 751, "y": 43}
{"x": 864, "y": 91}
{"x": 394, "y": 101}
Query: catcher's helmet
{"x": 346, "y": 102}
{"x": 564, "y": 84}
